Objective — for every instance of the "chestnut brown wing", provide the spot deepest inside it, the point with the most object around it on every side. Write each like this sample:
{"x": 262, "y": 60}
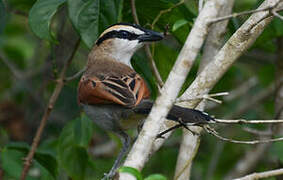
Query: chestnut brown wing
{"x": 127, "y": 90}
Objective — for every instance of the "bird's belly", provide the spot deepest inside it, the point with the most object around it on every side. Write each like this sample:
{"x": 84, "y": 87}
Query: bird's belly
{"x": 112, "y": 117}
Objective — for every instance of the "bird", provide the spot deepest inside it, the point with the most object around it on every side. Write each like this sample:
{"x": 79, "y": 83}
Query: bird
{"x": 113, "y": 94}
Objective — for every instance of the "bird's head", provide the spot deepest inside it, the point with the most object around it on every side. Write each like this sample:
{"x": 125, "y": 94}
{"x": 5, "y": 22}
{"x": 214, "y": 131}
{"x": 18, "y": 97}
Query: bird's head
{"x": 122, "y": 40}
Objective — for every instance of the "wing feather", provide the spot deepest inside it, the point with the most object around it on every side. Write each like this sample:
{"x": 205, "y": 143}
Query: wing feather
{"x": 127, "y": 90}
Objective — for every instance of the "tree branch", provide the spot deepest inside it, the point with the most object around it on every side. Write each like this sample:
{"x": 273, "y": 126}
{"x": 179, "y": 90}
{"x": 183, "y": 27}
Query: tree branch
{"x": 243, "y": 121}
{"x": 75, "y": 76}
{"x": 49, "y": 108}
{"x": 251, "y": 158}
{"x": 269, "y": 8}
{"x": 143, "y": 145}
{"x": 265, "y": 174}
{"x": 252, "y": 142}
{"x": 214, "y": 41}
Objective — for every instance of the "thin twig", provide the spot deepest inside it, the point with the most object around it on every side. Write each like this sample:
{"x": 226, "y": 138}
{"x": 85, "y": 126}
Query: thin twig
{"x": 244, "y": 13}
{"x": 244, "y": 121}
{"x": 153, "y": 66}
{"x": 164, "y": 12}
{"x": 67, "y": 79}
{"x": 214, "y": 133}
{"x": 134, "y": 12}
{"x": 147, "y": 50}
{"x": 277, "y": 15}
{"x": 264, "y": 174}
{"x": 49, "y": 108}
{"x": 206, "y": 96}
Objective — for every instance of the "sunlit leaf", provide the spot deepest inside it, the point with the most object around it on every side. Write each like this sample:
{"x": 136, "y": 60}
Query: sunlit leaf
{"x": 40, "y": 17}
{"x": 132, "y": 171}
{"x": 179, "y": 24}
{"x": 156, "y": 177}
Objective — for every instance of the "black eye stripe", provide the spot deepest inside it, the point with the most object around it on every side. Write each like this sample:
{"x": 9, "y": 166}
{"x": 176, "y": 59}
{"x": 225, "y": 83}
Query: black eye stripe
{"x": 122, "y": 34}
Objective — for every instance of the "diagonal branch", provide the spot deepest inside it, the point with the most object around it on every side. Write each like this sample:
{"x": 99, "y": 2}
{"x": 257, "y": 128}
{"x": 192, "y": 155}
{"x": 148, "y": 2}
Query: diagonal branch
{"x": 49, "y": 108}
{"x": 143, "y": 145}
{"x": 271, "y": 8}
{"x": 214, "y": 42}
{"x": 261, "y": 175}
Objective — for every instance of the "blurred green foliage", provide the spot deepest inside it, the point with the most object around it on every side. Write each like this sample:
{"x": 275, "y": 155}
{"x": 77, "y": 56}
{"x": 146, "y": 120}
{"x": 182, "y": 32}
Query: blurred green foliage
{"x": 35, "y": 37}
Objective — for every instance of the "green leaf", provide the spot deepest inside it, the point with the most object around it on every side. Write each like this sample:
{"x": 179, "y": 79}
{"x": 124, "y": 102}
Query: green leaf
{"x": 40, "y": 17}
{"x": 2, "y": 16}
{"x": 132, "y": 171}
{"x": 83, "y": 130}
{"x": 91, "y": 17}
{"x": 11, "y": 161}
{"x": 48, "y": 162}
{"x": 179, "y": 24}
{"x": 156, "y": 177}
{"x": 43, "y": 158}
{"x": 72, "y": 156}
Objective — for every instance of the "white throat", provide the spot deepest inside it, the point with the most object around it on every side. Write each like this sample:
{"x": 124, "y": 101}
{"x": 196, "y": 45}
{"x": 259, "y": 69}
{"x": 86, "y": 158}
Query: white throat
{"x": 123, "y": 50}
{"x": 123, "y": 57}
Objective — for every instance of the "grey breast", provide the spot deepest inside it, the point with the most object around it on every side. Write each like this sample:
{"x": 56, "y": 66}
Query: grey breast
{"x": 112, "y": 117}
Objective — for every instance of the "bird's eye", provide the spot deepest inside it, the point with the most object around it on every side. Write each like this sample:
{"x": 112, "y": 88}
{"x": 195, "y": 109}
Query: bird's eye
{"x": 124, "y": 34}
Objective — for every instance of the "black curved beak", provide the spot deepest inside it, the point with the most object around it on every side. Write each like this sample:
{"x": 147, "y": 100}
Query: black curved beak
{"x": 150, "y": 36}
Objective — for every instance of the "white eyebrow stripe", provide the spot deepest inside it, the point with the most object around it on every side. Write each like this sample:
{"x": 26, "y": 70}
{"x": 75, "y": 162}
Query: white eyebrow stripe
{"x": 123, "y": 27}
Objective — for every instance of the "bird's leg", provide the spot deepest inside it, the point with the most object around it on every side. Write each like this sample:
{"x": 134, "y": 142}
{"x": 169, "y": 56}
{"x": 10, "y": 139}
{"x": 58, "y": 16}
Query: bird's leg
{"x": 185, "y": 125}
{"x": 181, "y": 124}
{"x": 126, "y": 140}
{"x": 160, "y": 135}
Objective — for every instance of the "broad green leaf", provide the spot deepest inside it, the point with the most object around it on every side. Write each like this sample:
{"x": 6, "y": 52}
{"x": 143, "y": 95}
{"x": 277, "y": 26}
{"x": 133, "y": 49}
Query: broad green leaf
{"x": 179, "y": 24}
{"x": 91, "y": 17}
{"x": 21, "y": 146}
{"x": 48, "y": 162}
{"x": 72, "y": 156}
{"x": 83, "y": 130}
{"x": 45, "y": 159}
{"x": 156, "y": 177}
{"x": 3, "y": 16}
{"x": 40, "y": 17}
{"x": 11, "y": 162}
{"x": 132, "y": 171}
